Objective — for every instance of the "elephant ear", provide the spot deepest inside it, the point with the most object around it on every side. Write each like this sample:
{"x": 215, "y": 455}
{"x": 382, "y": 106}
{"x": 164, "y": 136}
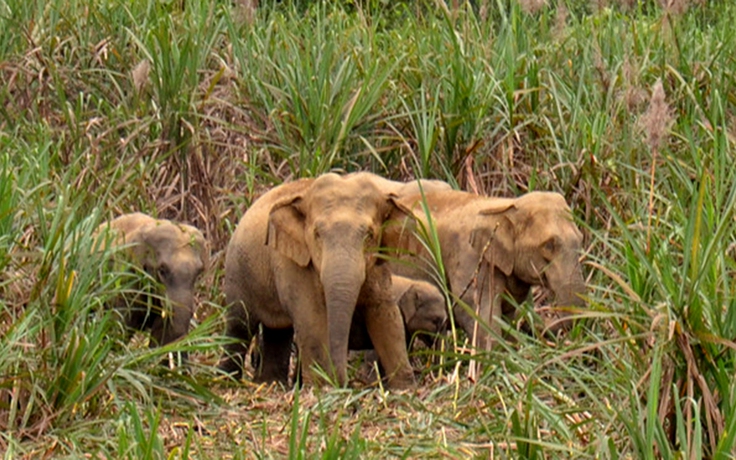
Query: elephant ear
{"x": 494, "y": 235}
{"x": 400, "y": 289}
{"x": 196, "y": 240}
{"x": 286, "y": 226}
{"x": 393, "y": 216}
{"x": 393, "y": 209}
{"x": 141, "y": 248}
{"x": 409, "y": 304}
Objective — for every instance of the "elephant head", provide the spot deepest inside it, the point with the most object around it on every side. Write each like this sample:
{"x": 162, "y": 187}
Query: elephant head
{"x": 173, "y": 255}
{"x": 533, "y": 240}
{"x": 335, "y": 226}
{"x": 422, "y": 306}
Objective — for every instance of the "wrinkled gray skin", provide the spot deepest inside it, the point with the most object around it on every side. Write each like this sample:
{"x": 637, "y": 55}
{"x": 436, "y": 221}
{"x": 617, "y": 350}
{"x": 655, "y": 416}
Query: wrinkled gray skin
{"x": 492, "y": 248}
{"x": 422, "y": 308}
{"x": 174, "y": 255}
{"x": 300, "y": 263}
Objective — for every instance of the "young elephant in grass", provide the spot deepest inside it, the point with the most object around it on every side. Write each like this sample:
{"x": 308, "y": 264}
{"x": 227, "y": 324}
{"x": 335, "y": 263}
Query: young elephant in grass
{"x": 493, "y": 249}
{"x": 301, "y": 262}
{"x": 423, "y": 309}
{"x": 422, "y": 306}
{"x": 173, "y": 255}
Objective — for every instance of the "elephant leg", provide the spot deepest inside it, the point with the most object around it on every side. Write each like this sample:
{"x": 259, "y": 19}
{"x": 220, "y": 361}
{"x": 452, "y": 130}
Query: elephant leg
{"x": 312, "y": 339}
{"x": 275, "y": 355}
{"x": 313, "y": 352}
{"x": 386, "y": 329}
{"x": 463, "y": 318}
{"x": 300, "y": 294}
{"x": 491, "y": 309}
{"x": 241, "y": 327}
{"x": 484, "y": 297}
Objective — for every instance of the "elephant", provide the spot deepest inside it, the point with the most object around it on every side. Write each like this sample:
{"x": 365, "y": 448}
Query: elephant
{"x": 423, "y": 309}
{"x": 173, "y": 255}
{"x": 422, "y": 306}
{"x": 402, "y": 189}
{"x": 493, "y": 250}
{"x": 301, "y": 261}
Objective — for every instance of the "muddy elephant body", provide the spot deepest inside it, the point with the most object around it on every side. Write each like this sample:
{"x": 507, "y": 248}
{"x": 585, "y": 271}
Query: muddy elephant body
{"x": 493, "y": 250}
{"x": 423, "y": 310}
{"x": 300, "y": 263}
{"x": 173, "y": 256}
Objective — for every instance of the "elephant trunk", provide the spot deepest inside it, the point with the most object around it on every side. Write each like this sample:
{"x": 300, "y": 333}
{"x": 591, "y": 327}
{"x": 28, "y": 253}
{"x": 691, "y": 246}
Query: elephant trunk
{"x": 342, "y": 277}
{"x": 569, "y": 295}
{"x": 178, "y": 315}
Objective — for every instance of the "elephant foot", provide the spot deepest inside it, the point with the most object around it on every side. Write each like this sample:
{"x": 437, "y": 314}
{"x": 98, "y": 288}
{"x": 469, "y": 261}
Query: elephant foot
{"x": 402, "y": 380}
{"x": 371, "y": 370}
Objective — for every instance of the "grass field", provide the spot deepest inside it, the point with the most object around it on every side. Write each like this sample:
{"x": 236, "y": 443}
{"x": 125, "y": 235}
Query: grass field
{"x": 190, "y": 112}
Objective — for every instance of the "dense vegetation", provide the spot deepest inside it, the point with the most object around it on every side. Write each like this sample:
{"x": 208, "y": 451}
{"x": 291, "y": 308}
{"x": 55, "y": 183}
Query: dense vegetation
{"x": 190, "y": 109}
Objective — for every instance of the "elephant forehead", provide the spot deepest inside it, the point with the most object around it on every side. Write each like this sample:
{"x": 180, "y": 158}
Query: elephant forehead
{"x": 343, "y": 226}
{"x": 185, "y": 260}
{"x": 357, "y": 187}
{"x": 548, "y": 207}
{"x": 327, "y": 180}
{"x": 543, "y": 199}
{"x": 163, "y": 233}
{"x": 551, "y": 223}
{"x": 127, "y": 223}
{"x": 166, "y": 236}
{"x": 332, "y": 205}
{"x": 559, "y": 221}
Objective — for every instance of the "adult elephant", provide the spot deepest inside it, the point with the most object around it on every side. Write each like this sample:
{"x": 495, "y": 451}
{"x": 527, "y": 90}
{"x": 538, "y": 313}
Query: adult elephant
{"x": 301, "y": 261}
{"x": 173, "y": 255}
{"x": 493, "y": 249}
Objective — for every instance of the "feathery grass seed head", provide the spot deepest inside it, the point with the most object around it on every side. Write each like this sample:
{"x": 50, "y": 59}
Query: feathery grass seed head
{"x": 532, "y": 6}
{"x": 674, "y": 7}
{"x": 658, "y": 117}
{"x": 140, "y": 74}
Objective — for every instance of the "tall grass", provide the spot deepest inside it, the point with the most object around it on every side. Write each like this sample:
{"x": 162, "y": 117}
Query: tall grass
{"x": 190, "y": 110}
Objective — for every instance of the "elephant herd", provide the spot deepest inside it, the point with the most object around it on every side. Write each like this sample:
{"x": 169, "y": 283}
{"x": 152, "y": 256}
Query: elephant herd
{"x": 357, "y": 261}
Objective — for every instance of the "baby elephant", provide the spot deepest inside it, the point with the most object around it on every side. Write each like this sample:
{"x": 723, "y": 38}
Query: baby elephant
{"x": 174, "y": 255}
{"x": 422, "y": 306}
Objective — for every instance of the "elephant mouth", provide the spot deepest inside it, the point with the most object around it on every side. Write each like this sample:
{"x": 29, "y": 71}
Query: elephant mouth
{"x": 557, "y": 307}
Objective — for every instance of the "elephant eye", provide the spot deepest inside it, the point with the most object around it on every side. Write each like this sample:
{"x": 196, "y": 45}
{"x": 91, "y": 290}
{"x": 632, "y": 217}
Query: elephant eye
{"x": 318, "y": 230}
{"x": 163, "y": 272}
{"x": 549, "y": 247}
{"x": 370, "y": 236}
